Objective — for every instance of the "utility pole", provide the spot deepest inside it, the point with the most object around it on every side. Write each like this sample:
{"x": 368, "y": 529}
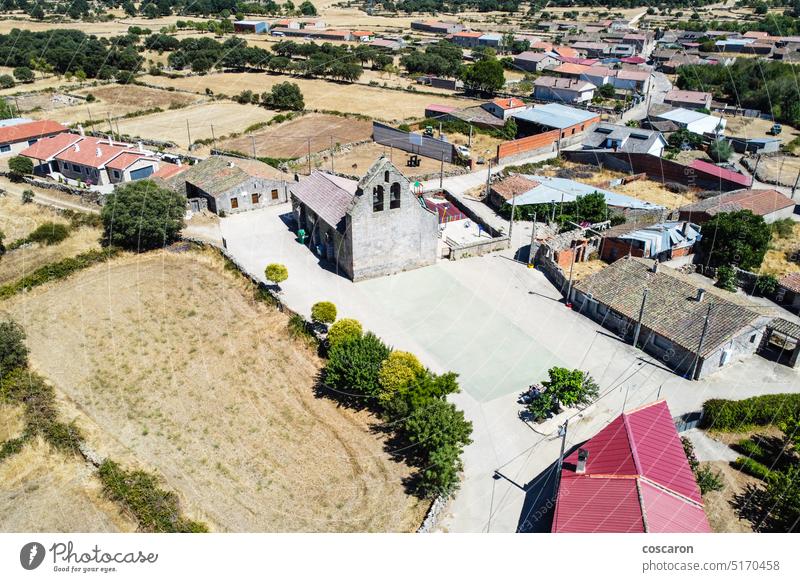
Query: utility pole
{"x": 533, "y": 242}
{"x": 441, "y": 173}
{"x": 213, "y": 137}
{"x": 562, "y": 432}
{"x": 440, "y": 130}
{"x": 189, "y": 134}
{"x": 795, "y": 184}
{"x": 569, "y": 285}
{"x": 89, "y": 111}
{"x": 755, "y": 169}
{"x": 470, "y": 135}
{"x": 489, "y": 178}
{"x": 511, "y": 220}
{"x": 639, "y": 321}
{"x": 309, "y": 155}
{"x": 110, "y": 126}
{"x": 253, "y": 141}
{"x": 700, "y": 345}
{"x": 332, "y": 155}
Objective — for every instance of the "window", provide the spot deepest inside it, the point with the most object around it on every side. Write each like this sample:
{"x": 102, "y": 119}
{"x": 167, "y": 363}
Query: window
{"x": 32, "y": 141}
{"x": 386, "y": 176}
{"x": 377, "y": 199}
{"x": 275, "y": 194}
{"x": 5, "y": 148}
{"x": 753, "y": 339}
{"x": 255, "y": 197}
{"x": 661, "y": 342}
{"x": 76, "y": 168}
{"x": 116, "y": 174}
{"x": 394, "y": 195}
{"x": 234, "y": 202}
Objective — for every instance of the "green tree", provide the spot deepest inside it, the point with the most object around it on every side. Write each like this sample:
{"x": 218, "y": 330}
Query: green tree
{"x": 13, "y": 351}
{"x": 284, "y": 96}
{"x": 308, "y": 9}
{"x": 485, "y": 76}
{"x": 726, "y": 278}
{"x": 20, "y": 166}
{"x": 141, "y": 216}
{"x": 424, "y": 387}
{"x": 37, "y": 13}
{"x": 27, "y": 196}
{"x": 344, "y": 330}
{"x": 606, "y": 91}
{"x": 6, "y": 81}
{"x": 440, "y": 433}
{"x": 738, "y": 238}
{"x": 354, "y": 366}
{"x": 397, "y": 373}
{"x": 23, "y": 74}
{"x": 323, "y": 312}
{"x": 571, "y": 387}
{"x": 276, "y": 273}
{"x": 5, "y": 109}
{"x": 720, "y": 150}
{"x": 782, "y": 494}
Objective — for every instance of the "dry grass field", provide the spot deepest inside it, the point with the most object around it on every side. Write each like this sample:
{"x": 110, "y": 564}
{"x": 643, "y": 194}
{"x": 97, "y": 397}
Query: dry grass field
{"x": 165, "y": 361}
{"x": 225, "y": 117}
{"x": 18, "y": 220}
{"x": 357, "y": 160}
{"x": 382, "y": 104}
{"x": 24, "y": 260}
{"x": 722, "y": 516}
{"x": 776, "y": 261}
{"x": 42, "y": 490}
{"x": 755, "y": 127}
{"x": 12, "y": 422}
{"x": 291, "y": 139}
{"x": 781, "y": 169}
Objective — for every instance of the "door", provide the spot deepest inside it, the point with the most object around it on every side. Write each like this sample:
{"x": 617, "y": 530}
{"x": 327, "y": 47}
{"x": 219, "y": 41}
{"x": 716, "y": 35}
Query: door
{"x": 141, "y": 173}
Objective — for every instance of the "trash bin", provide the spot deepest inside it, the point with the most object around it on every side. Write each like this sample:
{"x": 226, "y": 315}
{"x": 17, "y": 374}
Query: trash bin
{"x": 301, "y": 236}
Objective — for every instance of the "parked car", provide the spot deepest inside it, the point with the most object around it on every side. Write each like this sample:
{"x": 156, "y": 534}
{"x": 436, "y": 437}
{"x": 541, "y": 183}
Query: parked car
{"x": 463, "y": 151}
{"x": 775, "y": 129}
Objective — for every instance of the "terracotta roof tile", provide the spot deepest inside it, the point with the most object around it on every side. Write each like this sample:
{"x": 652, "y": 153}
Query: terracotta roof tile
{"x": 26, "y": 131}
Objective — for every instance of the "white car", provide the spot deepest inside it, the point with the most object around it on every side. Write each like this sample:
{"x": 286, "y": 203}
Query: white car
{"x": 463, "y": 151}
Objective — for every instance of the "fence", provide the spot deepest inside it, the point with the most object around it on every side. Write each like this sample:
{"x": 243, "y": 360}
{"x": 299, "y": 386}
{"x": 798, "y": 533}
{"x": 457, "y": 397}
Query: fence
{"x": 542, "y": 142}
{"x": 414, "y": 143}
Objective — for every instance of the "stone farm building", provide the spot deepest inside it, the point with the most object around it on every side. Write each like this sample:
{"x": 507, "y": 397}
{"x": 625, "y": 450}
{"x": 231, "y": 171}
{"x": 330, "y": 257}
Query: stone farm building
{"x": 369, "y": 228}
{"x": 678, "y": 312}
{"x": 227, "y": 184}
{"x": 769, "y": 204}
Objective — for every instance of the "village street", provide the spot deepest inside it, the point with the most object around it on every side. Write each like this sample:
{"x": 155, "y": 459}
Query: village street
{"x": 500, "y": 326}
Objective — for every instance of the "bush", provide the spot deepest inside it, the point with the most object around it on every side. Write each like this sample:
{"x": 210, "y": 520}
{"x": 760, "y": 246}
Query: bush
{"x": 142, "y": 215}
{"x": 49, "y": 233}
{"x": 739, "y": 415}
{"x": 13, "y": 351}
{"x": 783, "y": 228}
{"x": 284, "y": 96}
{"x": 766, "y": 285}
{"x": 20, "y": 166}
{"x": 752, "y": 468}
{"x": 6, "y": 81}
{"x": 344, "y": 330}
{"x": 323, "y": 312}
{"x": 155, "y": 509}
{"x": 726, "y": 278}
{"x": 397, "y": 373}
{"x": 751, "y": 449}
{"x": 571, "y": 387}
{"x": 276, "y": 273}
{"x": 27, "y": 196}
{"x": 354, "y": 366}
{"x": 23, "y": 74}
{"x": 720, "y": 150}
{"x": 708, "y": 479}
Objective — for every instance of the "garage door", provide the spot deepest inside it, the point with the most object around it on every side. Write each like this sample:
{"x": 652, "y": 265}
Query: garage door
{"x": 141, "y": 173}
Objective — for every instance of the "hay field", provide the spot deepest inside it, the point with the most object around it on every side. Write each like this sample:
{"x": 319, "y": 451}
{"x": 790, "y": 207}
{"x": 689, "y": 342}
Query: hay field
{"x": 382, "y": 104}
{"x": 785, "y": 170}
{"x": 776, "y": 261}
{"x": 165, "y": 361}
{"x": 291, "y": 139}
{"x": 12, "y": 422}
{"x": 24, "y": 260}
{"x": 42, "y": 490}
{"x": 225, "y": 117}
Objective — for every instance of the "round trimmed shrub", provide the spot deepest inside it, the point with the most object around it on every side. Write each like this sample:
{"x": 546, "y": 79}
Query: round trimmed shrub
{"x": 323, "y": 312}
{"x": 344, "y": 330}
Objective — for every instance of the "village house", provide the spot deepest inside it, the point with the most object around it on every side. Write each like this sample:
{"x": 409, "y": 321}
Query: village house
{"x": 621, "y": 138}
{"x": 771, "y": 205}
{"x": 570, "y": 121}
{"x": 664, "y": 241}
{"x": 505, "y": 107}
{"x": 688, "y": 99}
{"x": 437, "y": 26}
{"x": 534, "y": 62}
{"x": 370, "y": 228}
{"x": 227, "y": 185}
{"x": 19, "y": 133}
{"x": 788, "y": 294}
{"x": 465, "y": 38}
{"x": 91, "y": 160}
{"x": 503, "y": 191}
{"x": 673, "y": 326}
{"x": 563, "y": 90}
{"x": 631, "y": 477}
{"x": 694, "y": 121}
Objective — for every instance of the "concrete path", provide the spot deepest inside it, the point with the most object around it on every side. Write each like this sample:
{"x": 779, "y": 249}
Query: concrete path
{"x": 708, "y": 449}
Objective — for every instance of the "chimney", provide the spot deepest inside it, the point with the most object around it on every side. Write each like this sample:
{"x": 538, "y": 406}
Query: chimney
{"x": 77, "y": 147}
{"x": 655, "y": 266}
{"x": 80, "y": 130}
{"x": 98, "y": 152}
{"x": 230, "y": 164}
{"x": 178, "y": 162}
{"x": 583, "y": 456}
{"x": 701, "y": 294}
{"x": 685, "y": 229}
{"x": 139, "y": 146}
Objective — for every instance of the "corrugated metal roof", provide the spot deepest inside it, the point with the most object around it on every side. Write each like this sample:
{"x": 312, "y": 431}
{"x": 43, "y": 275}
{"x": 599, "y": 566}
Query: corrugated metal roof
{"x": 722, "y": 173}
{"x": 551, "y": 189}
{"x": 555, "y": 115}
{"x": 637, "y": 479}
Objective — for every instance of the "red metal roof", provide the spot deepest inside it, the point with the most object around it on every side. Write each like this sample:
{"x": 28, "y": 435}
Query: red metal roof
{"x": 26, "y": 131}
{"x": 637, "y": 478}
{"x": 722, "y": 173}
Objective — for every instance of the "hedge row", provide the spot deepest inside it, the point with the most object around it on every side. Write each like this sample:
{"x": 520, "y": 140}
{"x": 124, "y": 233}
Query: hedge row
{"x": 736, "y": 415}
{"x": 751, "y": 467}
{"x": 55, "y": 271}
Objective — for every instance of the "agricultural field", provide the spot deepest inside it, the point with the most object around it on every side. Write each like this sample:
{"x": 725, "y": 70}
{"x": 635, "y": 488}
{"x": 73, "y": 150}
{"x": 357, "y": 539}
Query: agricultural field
{"x": 291, "y": 139}
{"x": 204, "y": 121}
{"x": 202, "y": 385}
{"x": 381, "y": 104}
{"x": 42, "y": 490}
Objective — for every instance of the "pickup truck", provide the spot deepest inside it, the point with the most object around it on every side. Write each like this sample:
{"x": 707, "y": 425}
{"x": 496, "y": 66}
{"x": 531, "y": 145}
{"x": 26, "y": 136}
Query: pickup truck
{"x": 775, "y": 129}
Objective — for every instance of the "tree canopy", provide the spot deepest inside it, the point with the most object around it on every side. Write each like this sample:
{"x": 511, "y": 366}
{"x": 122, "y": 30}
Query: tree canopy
{"x": 735, "y": 239}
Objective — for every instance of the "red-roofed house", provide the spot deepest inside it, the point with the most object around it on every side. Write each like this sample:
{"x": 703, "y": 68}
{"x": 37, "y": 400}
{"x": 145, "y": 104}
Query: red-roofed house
{"x": 466, "y": 38}
{"x": 92, "y": 160}
{"x": 688, "y": 99}
{"x": 504, "y": 107}
{"x": 631, "y": 477}
{"x": 15, "y": 138}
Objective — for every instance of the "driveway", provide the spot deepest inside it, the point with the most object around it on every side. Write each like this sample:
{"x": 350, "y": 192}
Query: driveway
{"x": 499, "y": 325}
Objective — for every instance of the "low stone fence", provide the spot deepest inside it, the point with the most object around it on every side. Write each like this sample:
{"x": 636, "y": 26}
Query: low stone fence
{"x": 86, "y": 196}
{"x": 478, "y": 248}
